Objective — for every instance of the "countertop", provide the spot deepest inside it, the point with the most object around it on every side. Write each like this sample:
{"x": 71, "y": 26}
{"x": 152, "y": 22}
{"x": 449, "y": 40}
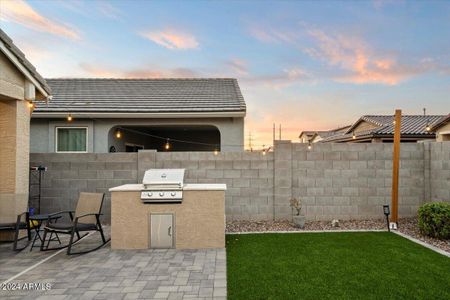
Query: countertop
{"x": 187, "y": 187}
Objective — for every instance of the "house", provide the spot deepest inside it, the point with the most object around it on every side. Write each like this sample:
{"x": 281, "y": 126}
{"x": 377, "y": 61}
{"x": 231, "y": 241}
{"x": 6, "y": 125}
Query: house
{"x": 20, "y": 86}
{"x": 380, "y": 129}
{"x": 125, "y": 115}
{"x": 317, "y": 136}
{"x": 442, "y": 129}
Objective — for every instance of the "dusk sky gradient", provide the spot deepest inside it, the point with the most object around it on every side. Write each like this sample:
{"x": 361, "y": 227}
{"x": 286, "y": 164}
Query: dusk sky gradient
{"x": 307, "y": 65}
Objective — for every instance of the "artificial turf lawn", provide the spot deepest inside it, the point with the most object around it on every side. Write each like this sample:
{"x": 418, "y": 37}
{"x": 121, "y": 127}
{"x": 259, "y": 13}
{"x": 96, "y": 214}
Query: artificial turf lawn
{"x": 369, "y": 265}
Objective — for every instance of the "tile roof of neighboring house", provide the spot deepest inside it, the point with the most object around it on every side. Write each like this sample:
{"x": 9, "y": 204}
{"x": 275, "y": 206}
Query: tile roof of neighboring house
{"x": 23, "y": 60}
{"x": 144, "y": 95}
{"x": 441, "y": 123}
{"x": 413, "y": 125}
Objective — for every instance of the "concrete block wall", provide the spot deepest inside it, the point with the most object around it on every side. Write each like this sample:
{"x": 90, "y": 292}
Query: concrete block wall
{"x": 344, "y": 181}
{"x": 439, "y": 171}
{"x": 71, "y": 173}
{"x": 353, "y": 181}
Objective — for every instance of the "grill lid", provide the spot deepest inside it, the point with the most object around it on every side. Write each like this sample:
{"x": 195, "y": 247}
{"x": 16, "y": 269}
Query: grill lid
{"x": 163, "y": 178}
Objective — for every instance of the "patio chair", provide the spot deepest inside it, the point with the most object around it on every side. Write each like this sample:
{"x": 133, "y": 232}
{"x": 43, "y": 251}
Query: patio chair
{"x": 22, "y": 223}
{"x": 85, "y": 218}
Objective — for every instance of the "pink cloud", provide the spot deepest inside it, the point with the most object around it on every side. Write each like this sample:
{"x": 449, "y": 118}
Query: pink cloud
{"x": 172, "y": 39}
{"x": 144, "y": 72}
{"x": 237, "y": 66}
{"x": 361, "y": 62}
{"x": 21, "y": 13}
{"x": 271, "y": 35}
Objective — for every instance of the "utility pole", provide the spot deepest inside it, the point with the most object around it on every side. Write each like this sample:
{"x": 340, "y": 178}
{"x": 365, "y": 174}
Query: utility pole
{"x": 250, "y": 140}
{"x": 395, "y": 168}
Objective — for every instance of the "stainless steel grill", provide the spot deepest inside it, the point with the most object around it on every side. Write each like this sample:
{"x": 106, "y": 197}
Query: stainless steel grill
{"x": 163, "y": 186}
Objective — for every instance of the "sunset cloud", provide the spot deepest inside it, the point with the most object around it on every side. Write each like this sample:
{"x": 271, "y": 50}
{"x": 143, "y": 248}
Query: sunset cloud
{"x": 22, "y": 13}
{"x": 148, "y": 71}
{"x": 237, "y": 66}
{"x": 267, "y": 34}
{"x": 361, "y": 63}
{"x": 172, "y": 39}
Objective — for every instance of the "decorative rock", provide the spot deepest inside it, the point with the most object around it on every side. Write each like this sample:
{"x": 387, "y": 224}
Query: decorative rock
{"x": 335, "y": 223}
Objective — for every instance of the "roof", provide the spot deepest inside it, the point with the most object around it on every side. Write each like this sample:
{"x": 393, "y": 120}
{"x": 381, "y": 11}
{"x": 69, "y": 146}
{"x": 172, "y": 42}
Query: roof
{"x": 411, "y": 125}
{"x": 7, "y": 41}
{"x": 101, "y": 95}
{"x": 441, "y": 123}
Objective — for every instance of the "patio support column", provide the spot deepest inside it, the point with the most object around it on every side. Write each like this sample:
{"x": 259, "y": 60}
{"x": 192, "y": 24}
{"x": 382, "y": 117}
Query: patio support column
{"x": 14, "y": 159}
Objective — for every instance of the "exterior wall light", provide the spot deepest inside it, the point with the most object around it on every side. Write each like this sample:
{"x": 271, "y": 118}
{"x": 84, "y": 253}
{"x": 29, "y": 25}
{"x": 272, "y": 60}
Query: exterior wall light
{"x": 69, "y": 118}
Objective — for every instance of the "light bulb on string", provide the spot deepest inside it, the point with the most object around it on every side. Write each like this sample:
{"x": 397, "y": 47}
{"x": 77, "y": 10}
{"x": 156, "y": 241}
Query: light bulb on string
{"x": 167, "y": 145}
{"x": 309, "y": 146}
{"x": 31, "y": 104}
{"x": 118, "y": 134}
{"x": 69, "y": 118}
{"x": 354, "y": 135}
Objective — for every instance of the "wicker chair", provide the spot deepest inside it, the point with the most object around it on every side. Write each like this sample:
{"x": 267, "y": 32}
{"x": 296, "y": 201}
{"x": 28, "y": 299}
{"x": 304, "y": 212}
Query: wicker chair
{"x": 85, "y": 218}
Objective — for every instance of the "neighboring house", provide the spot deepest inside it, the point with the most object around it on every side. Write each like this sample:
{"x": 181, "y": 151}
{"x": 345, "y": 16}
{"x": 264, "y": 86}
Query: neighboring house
{"x": 317, "y": 136}
{"x": 380, "y": 129}
{"x": 442, "y": 129}
{"x": 20, "y": 84}
{"x": 125, "y": 115}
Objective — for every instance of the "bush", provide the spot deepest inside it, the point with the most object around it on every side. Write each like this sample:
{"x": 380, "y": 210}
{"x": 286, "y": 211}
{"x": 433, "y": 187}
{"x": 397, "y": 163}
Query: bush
{"x": 434, "y": 219}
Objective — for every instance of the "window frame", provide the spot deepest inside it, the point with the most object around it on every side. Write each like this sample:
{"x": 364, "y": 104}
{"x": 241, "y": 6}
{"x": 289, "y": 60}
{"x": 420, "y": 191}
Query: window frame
{"x": 71, "y": 127}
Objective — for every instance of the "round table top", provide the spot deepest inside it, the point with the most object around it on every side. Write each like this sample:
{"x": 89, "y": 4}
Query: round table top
{"x": 43, "y": 217}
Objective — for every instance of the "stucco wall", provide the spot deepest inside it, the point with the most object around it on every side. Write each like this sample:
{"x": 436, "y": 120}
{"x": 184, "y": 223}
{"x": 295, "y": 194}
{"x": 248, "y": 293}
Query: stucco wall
{"x": 43, "y": 131}
{"x": 443, "y": 133}
{"x": 344, "y": 181}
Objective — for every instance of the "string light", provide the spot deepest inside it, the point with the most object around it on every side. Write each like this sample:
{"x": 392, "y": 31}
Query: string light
{"x": 118, "y": 134}
{"x": 353, "y": 136}
{"x": 31, "y": 104}
{"x": 216, "y": 151}
{"x": 309, "y": 145}
{"x": 428, "y": 127}
{"x": 167, "y": 146}
{"x": 69, "y": 118}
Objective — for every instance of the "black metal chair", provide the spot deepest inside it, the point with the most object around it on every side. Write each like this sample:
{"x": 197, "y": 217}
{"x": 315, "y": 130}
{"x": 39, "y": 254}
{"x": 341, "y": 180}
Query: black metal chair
{"x": 85, "y": 218}
{"x": 22, "y": 223}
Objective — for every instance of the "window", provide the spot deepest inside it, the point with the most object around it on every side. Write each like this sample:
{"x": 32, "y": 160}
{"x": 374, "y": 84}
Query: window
{"x": 71, "y": 139}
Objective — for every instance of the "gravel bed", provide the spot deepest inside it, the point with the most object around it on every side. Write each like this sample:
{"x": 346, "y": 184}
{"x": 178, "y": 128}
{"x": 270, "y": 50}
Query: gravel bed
{"x": 406, "y": 225}
{"x": 261, "y": 226}
{"x": 409, "y": 226}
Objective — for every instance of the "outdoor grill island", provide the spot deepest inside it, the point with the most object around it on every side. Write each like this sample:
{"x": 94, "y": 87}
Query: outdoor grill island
{"x": 163, "y": 212}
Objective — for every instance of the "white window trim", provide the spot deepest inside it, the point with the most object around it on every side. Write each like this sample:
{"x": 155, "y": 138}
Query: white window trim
{"x": 71, "y": 127}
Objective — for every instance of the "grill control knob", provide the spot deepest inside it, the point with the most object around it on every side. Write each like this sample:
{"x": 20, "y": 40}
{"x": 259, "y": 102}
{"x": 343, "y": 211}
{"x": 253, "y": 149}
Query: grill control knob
{"x": 150, "y": 194}
{"x": 173, "y": 194}
{"x": 161, "y": 194}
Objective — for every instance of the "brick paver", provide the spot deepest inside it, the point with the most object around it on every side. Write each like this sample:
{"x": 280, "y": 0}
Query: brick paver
{"x": 118, "y": 274}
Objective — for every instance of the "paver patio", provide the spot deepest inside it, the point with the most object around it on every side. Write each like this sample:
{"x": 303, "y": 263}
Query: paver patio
{"x": 117, "y": 274}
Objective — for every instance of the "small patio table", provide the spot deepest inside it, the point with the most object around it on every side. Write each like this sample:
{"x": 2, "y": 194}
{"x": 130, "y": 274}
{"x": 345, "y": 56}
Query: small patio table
{"x": 36, "y": 223}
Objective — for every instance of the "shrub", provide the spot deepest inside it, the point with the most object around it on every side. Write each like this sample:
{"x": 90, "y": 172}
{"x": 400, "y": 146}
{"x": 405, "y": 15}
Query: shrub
{"x": 434, "y": 219}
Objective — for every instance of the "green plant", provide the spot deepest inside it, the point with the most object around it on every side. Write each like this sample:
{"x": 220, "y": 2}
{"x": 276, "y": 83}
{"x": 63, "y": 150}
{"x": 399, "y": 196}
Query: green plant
{"x": 434, "y": 219}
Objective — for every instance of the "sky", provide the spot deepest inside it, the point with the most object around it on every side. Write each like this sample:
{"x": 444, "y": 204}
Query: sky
{"x": 307, "y": 65}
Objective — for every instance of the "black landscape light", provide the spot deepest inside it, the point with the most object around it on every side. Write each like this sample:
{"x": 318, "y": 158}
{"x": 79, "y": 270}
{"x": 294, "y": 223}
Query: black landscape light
{"x": 387, "y": 212}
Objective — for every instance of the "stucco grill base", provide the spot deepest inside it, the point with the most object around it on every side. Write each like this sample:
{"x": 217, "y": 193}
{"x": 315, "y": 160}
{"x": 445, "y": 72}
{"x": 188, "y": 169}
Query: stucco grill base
{"x": 199, "y": 220}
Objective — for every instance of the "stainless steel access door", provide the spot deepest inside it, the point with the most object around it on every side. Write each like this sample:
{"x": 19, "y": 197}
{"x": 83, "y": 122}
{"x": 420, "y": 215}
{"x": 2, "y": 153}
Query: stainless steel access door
{"x": 161, "y": 231}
